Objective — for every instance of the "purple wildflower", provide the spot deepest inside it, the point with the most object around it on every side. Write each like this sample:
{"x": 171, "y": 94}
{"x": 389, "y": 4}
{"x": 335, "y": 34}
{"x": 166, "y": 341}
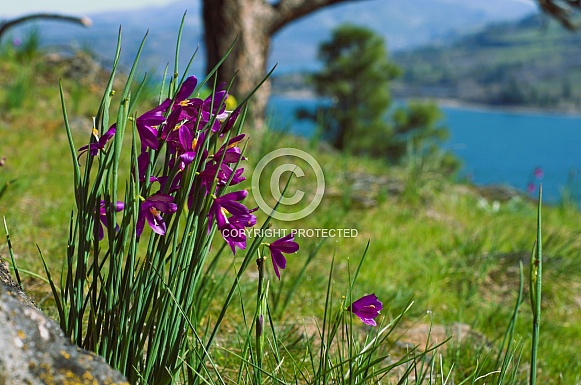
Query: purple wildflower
{"x": 229, "y": 122}
{"x": 230, "y": 151}
{"x": 234, "y": 235}
{"x": 538, "y": 173}
{"x": 147, "y": 125}
{"x": 151, "y": 209}
{"x": 286, "y": 245}
{"x": 531, "y": 187}
{"x": 93, "y": 148}
{"x": 367, "y": 308}
{"x": 229, "y": 203}
{"x": 222, "y": 174}
{"x": 232, "y": 227}
{"x": 103, "y": 216}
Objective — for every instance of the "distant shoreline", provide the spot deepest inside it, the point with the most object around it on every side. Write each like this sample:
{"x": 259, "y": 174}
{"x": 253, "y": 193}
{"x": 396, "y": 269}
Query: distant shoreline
{"x": 528, "y": 110}
{"x": 307, "y": 94}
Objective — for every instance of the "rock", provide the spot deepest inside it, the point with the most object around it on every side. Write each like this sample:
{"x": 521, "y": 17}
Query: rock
{"x": 35, "y": 350}
{"x": 12, "y": 288}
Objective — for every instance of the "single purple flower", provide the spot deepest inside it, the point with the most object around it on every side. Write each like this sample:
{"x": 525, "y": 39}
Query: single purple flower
{"x": 229, "y": 122}
{"x": 232, "y": 217}
{"x": 538, "y": 173}
{"x": 103, "y": 216}
{"x": 232, "y": 229}
{"x": 221, "y": 174}
{"x": 142, "y": 165}
{"x": 286, "y": 245}
{"x": 227, "y": 203}
{"x": 99, "y": 144}
{"x": 147, "y": 125}
{"x": 367, "y": 308}
{"x": 531, "y": 187}
{"x": 186, "y": 89}
{"x": 179, "y": 112}
{"x": 151, "y": 209}
{"x": 230, "y": 151}
{"x": 234, "y": 234}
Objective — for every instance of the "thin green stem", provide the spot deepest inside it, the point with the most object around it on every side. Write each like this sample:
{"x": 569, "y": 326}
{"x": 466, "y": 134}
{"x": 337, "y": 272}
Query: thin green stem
{"x": 536, "y": 285}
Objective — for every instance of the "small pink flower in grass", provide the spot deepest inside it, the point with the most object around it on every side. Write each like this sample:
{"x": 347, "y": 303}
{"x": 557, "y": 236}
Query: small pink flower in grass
{"x": 538, "y": 173}
{"x": 366, "y": 308}
{"x": 286, "y": 245}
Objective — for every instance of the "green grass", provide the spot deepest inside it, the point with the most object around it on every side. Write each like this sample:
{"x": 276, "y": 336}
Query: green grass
{"x": 434, "y": 243}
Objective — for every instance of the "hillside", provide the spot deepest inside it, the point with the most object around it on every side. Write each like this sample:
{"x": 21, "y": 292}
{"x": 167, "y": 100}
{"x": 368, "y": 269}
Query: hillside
{"x": 532, "y": 62}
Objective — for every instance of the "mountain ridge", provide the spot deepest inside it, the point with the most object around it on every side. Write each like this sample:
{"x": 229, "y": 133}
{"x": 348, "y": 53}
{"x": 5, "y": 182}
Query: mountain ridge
{"x": 532, "y": 62}
{"x": 294, "y": 47}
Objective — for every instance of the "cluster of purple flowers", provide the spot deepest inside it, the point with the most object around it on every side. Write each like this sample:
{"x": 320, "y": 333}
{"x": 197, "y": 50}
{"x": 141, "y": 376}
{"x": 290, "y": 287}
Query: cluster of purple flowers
{"x": 190, "y": 128}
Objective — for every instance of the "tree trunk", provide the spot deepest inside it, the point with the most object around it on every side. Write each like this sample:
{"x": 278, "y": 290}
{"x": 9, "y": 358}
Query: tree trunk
{"x": 246, "y": 22}
{"x": 251, "y": 23}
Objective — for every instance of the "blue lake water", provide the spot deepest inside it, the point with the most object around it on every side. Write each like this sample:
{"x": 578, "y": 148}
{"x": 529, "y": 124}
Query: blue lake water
{"x": 497, "y": 147}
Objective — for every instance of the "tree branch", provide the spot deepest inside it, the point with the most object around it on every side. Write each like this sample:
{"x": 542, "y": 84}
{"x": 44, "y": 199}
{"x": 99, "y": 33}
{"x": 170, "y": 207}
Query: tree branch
{"x": 4, "y": 26}
{"x": 562, "y": 11}
{"x": 289, "y": 10}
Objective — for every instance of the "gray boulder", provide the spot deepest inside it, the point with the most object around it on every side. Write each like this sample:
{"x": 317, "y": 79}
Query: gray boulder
{"x": 34, "y": 350}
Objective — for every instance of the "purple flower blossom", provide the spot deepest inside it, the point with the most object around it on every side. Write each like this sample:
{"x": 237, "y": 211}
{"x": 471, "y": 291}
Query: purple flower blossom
{"x": 367, "y": 308}
{"x": 538, "y": 173}
{"x": 93, "y": 148}
{"x": 229, "y": 203}
{"x": 151, "y": 209}
{"x": 103, "y": 216}
{"x": 229, "y": 122}
{"x": 230, "y": 151}
{"x": 232, "y": 227}
{"x": 531, "y": 187}
{"x": 147, "y": 125}
{"x": 286, "y": 245}
{"x": 234, "y": 234}
{"x": 222, "y": 174}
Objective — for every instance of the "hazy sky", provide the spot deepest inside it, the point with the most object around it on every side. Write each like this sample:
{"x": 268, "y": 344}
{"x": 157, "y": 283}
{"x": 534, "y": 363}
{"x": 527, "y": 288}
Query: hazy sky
{"x": 75, "y": 7}
{"x": 84, "y": 7}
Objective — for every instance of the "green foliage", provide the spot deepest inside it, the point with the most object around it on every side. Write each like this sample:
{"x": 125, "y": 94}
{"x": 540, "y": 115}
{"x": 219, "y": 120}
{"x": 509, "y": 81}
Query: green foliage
{"x": 441, "y": 246}
{"x": 355, "y": 77}
{"x": 4, "y": 184}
